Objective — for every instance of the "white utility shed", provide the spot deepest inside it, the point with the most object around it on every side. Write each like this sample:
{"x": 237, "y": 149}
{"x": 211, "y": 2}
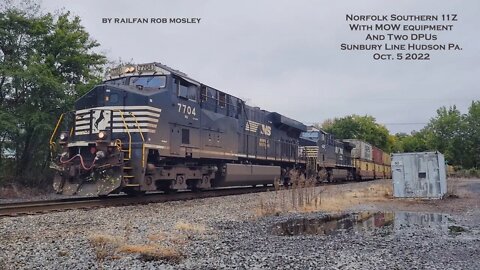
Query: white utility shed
{"x": 419, "y": 175}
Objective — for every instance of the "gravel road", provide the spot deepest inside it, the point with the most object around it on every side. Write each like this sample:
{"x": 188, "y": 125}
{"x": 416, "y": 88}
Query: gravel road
{"x": 227, "y": 233}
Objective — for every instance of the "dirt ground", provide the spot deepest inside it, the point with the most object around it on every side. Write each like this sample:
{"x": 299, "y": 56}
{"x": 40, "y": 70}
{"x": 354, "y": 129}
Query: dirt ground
{"x": 280, "y": 229}
{"x": 464, "y": 194}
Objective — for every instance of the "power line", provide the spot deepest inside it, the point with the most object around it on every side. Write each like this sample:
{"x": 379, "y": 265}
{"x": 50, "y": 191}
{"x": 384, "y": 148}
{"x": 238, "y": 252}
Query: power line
{"x": 389, "y": 124}
{"x": 398, "y": 124}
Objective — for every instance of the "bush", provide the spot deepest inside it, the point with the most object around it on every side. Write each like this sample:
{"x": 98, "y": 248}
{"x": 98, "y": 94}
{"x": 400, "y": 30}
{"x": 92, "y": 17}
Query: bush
{"x": 468, "y": 173}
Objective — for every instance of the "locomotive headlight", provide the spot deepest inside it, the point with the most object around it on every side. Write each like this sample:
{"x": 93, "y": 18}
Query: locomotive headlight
{"x": 63, "y": 136}
{"x": 129, "y": 69}
{"x": 102, "y": 135}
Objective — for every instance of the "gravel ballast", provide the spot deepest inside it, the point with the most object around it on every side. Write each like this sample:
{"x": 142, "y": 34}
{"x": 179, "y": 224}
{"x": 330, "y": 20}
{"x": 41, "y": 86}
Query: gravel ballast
{"x": 226, "y": 233}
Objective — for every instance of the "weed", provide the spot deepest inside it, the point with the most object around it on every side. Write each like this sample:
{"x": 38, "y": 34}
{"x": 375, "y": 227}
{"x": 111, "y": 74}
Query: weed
{"x": 159, "y": 245}
{"x": 303, "y": 196}
{"x": 189, "y": 227}
{"x": 452, "y": 184}
{"x": 466, "y": 173}
{"x": 267, "y": 207}
{"x": 456, "y": 229}
{"x": 159, "y": 236}
{"x": 152, "y": 252}
{"x": 172, "y": 238}
{"x": 62, "y": 253}
{"x": 16, "y": 190}
{"x": 104, "y": 245}
{"x": 127, "y": 229}
{"x": 179, "y": 240}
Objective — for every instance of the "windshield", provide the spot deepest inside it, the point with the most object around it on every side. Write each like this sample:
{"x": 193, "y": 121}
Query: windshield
{"x": 148, "y": 81}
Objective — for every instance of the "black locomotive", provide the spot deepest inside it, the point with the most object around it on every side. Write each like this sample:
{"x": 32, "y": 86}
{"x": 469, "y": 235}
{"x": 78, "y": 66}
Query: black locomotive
{"x": 327, "y": 158}
{"x": 150, "y": 127}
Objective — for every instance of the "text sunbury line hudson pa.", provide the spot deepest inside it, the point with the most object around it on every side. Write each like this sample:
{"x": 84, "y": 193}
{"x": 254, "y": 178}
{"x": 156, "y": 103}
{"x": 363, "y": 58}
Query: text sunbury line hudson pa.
{"x": 397, "y": 47}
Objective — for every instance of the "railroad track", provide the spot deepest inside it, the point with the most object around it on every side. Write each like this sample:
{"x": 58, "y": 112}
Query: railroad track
{"x": 46, "y": 206}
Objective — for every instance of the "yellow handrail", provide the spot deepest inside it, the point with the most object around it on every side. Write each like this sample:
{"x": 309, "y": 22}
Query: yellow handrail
{"x": 129, "y": 135}
{"x": 56, "y": 128}
{"x": 143, "y": 138}
{"x": 118, "y": 144}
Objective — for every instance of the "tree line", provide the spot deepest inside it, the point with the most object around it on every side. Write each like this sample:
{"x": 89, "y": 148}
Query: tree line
{"x": 450, "y": 132}
{"x": 46, "y": 62}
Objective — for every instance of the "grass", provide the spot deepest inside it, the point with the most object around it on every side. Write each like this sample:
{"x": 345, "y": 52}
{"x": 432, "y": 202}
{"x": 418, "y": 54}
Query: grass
{"x": 165, "y": 246}
{"x": 339, "y": 200}
{"x": 466, "y": 173}
{"x": 189, "y": 230}
{"x": 12, "y": 191}
{"x": 105, "y": 246}
{"x": 303, "y": 196}
{"x": 171, "y": 238}
{"x": 452, "y": 189}
{"x": 455, "y": 229}
{"x": 157, "y": 237}
{"x": 62, "y": 253}
{"x": 154, "y": 252}
{"x": 189, "y": 227}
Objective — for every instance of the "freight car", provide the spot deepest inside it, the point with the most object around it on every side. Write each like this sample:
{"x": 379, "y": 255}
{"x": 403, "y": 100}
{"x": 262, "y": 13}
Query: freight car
{"x": 149, "y": 127}
{"x": 332, "y": 160}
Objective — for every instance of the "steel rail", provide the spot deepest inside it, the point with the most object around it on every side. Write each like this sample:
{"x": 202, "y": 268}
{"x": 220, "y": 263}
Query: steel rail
{"x": 45, "y": 206}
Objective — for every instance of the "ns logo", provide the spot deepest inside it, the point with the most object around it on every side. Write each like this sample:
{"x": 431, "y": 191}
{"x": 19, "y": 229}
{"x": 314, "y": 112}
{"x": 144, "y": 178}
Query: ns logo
{"x": 266, "y": 130}
{"x": 253, "y": 126}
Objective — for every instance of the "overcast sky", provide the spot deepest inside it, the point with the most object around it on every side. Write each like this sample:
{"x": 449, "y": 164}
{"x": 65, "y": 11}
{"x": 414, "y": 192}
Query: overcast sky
{"x": 285, "y": 56}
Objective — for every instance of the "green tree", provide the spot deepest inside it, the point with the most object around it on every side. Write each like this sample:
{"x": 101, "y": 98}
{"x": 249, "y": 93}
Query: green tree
{"x": 447, "y": 132}
{"x": 360, "y": 127}
{"x": 45, "y": 63}
{"x": 472, "y": 123}
{"x": 415, "y": 142}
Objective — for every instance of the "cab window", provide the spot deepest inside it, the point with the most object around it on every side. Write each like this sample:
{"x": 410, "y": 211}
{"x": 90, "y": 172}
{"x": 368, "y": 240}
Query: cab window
{"x": 204, "y": 95}
{"x": 186, "y": 90}
{"x": 222, "y": 99}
